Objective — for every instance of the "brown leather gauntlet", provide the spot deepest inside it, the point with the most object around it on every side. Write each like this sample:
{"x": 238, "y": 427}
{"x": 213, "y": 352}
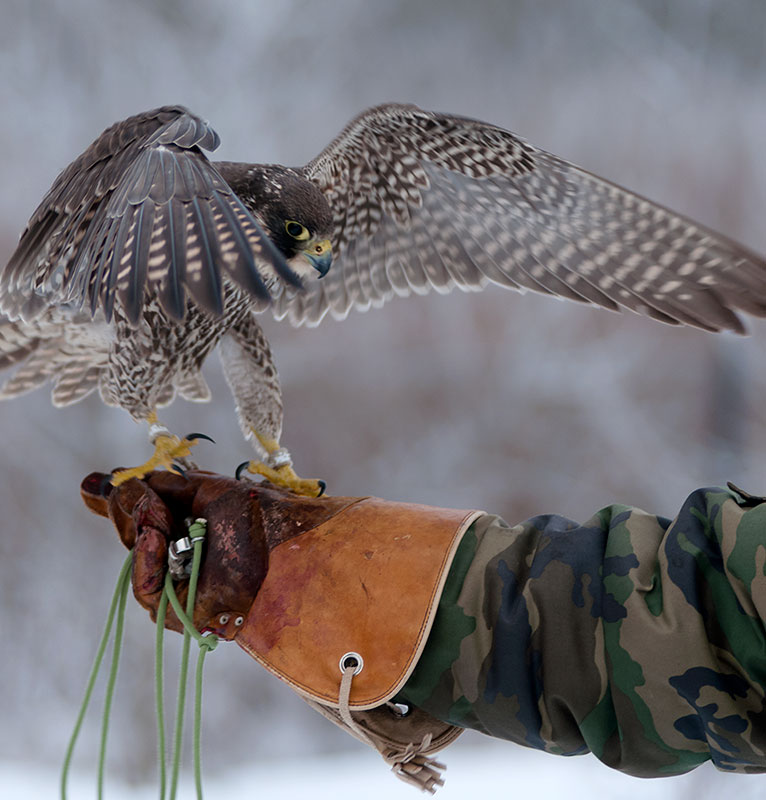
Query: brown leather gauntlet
{"x": 336, "y": 595}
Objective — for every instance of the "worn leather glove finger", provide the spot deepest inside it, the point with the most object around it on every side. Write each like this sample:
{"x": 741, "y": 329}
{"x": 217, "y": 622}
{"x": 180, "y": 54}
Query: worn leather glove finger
{"x": 152, "y": 512}
{"x": 117, "y": 505}
{"x": 143, "y": 522}
{"x": 152, "y": 523}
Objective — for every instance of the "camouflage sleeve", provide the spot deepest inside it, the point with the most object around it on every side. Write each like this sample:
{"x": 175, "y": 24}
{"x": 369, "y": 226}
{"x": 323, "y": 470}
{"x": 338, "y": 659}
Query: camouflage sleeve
{"x": 634, "y": 637}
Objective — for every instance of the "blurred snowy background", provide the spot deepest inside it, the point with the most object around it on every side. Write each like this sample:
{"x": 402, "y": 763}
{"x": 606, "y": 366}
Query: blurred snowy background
{"x": 519, "y": 405}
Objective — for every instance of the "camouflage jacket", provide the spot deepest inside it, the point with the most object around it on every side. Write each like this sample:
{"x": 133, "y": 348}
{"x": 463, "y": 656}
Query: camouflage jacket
{"x": 635, "y": 637}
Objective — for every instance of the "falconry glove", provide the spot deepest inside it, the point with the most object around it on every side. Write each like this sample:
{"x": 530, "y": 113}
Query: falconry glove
{"x": 335, "y": 596}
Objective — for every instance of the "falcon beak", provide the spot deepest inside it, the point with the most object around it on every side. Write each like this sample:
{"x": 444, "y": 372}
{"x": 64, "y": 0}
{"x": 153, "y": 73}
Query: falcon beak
{"x": 319, "y": 255}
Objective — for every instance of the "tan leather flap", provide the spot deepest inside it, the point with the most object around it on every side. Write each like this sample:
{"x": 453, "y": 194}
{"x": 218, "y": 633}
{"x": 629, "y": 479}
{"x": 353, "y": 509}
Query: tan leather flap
{"x": 368, "y": 580}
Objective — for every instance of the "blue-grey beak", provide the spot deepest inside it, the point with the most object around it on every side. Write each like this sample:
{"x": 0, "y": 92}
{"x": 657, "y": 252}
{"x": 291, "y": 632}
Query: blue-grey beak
{"x": 319, "y": 255}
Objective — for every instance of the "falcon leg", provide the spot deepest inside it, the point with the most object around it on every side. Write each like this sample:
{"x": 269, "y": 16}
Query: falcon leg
{"x": 169, "y": 450}
{"x": 277, "y": 469}
{"x": 252, "y": 376}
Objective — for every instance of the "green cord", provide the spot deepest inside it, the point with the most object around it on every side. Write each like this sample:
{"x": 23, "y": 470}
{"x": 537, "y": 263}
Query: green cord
{"x": 210, "y": 641}
{"x": 196, "y": 531}
{"x": 206, "y": 643}
{"x": 180, "y": 702}
{"x": 117, "y": 648}
{"x": 159, "y": 691}
{"x": 123, "y": 579}
{"x": 198, "y": 720}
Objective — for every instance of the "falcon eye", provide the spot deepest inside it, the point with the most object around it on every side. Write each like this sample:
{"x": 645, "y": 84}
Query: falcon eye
{"x": 296, "y": 230}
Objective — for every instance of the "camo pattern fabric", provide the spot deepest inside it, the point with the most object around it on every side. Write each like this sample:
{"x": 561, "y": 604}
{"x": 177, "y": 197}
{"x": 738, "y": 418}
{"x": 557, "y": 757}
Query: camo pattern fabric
{"x": 634, "y": 637}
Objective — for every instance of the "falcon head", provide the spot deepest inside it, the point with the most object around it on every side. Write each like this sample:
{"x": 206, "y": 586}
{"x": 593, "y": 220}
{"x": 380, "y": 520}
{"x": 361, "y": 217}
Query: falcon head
{"x": 295, "y": 215}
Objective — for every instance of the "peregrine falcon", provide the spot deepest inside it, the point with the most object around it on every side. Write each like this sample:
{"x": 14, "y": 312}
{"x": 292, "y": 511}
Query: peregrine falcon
{"x": 144, "y": 255}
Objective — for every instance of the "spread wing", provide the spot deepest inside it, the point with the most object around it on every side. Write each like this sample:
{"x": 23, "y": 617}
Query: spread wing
{"x": 427, "y": 201}
{"x": 141, "y": 206}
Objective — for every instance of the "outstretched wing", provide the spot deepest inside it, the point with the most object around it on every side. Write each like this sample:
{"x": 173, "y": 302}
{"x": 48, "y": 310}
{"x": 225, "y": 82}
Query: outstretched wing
{"x": 142, "y": 205}
{"x": 428, "y": 201}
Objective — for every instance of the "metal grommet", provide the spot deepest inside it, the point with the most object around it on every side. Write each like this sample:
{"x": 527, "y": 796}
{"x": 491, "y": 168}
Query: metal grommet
{"x": 239, "y": 620}
{"x": 399, "y": 710}
{"x": 223, "y": 619}
{"x": 351, "y": 659}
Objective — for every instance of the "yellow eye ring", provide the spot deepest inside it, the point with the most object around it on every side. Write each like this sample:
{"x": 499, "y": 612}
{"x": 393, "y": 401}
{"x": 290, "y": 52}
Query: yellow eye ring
{"x": 296, "y": 230}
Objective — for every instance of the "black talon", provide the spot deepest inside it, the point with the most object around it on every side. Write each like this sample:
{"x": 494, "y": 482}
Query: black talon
{"x": 177, "y": 468}
{"x": 105, "y": 486}
{"x": 190, "y": 437}
{"x": 322, "y": 488}
{"x": 238, "y": 471}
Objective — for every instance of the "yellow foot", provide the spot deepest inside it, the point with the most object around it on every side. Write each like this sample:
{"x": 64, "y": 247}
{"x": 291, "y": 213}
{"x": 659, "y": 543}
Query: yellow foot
{"x": 285, "y": 476}
{"x": 278, "y": 469}
{"x": 167, "y": 450}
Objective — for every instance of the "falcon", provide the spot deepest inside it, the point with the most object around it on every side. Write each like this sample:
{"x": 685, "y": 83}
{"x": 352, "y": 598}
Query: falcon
{"x": 144, "y": 256}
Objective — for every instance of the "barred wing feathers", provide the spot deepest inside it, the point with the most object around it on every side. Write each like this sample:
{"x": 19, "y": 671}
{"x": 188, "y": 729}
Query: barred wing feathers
{"x": 426, "y": 201}
{"x": 141, "y": 206}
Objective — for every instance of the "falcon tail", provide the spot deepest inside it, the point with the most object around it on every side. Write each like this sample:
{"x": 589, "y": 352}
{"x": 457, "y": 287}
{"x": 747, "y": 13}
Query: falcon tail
{"x": 42, "y": 353}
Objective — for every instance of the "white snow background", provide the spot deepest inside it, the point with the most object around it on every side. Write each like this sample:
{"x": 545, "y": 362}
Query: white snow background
{"x": 487, "y": 769}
